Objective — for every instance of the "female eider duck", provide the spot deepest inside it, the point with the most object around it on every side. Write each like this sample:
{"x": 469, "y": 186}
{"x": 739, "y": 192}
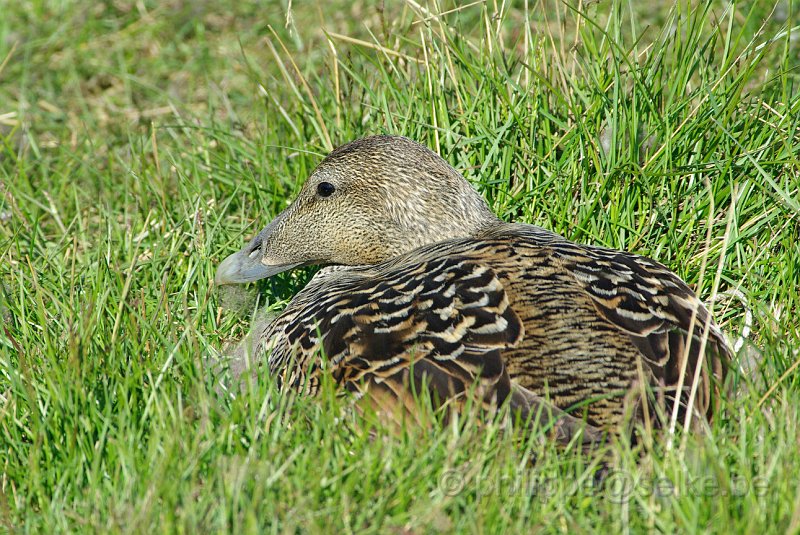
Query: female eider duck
{"x": 427, "y": 289}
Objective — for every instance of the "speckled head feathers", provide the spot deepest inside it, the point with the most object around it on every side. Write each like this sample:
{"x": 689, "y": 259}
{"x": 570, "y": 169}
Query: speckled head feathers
{"x": 367, "y": 201}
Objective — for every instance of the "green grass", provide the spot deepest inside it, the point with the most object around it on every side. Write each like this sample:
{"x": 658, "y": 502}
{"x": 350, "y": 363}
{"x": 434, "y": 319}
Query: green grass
{"x": 141, "y": 142}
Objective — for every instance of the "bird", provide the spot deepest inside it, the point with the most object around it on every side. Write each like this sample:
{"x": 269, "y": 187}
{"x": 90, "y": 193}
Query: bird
{"x": 425, "y": 293}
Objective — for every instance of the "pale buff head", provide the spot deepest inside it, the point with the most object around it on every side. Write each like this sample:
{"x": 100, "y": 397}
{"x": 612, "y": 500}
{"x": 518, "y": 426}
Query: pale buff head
{"x": 368, "y": 201}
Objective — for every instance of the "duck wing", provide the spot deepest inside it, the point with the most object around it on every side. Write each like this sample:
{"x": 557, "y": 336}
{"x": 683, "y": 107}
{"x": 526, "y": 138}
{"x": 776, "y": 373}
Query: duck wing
{"x": 655, "y": 308}
{"x": 436, "y": 328}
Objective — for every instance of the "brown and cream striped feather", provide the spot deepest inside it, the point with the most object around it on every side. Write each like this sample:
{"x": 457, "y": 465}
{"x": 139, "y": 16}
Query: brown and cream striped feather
{"x": 518, "y": 307}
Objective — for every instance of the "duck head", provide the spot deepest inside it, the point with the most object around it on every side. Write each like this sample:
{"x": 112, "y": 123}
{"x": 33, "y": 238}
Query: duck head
{"x": 368, "y": 201}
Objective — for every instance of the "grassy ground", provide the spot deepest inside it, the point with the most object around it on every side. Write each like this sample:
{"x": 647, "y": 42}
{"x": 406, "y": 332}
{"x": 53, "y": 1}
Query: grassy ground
{"x": 141, "y": 142}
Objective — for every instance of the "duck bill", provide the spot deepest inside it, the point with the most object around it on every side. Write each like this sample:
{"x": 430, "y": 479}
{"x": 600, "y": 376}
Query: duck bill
{"x": 240, "y": 267}
{"x": 252, "y": 263}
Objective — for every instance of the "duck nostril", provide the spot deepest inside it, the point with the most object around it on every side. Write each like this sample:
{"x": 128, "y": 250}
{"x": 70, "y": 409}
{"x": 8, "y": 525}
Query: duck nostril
{"x": 255, "y": 247}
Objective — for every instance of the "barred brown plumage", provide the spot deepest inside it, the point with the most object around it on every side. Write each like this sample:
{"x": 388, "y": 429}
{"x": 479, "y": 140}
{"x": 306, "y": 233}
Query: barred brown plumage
{"x": 427, "y": 290}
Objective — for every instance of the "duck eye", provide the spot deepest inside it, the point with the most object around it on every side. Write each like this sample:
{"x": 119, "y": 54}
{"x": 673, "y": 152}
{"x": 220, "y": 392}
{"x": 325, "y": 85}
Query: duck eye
{"x": 325, "y": 189}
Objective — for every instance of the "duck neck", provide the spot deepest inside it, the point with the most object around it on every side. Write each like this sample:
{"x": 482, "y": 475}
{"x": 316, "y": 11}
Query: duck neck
{"x": 420, "y": 233}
